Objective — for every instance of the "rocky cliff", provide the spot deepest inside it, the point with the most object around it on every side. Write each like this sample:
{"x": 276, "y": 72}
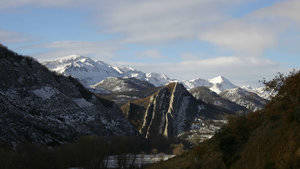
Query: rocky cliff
{"x": 173, "y": 112}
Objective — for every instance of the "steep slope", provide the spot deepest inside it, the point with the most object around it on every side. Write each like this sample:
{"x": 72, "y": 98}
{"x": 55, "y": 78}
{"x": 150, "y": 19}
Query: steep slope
{"x": 244, "y": 98}
{"x": 39, "y": 106}
{"x": 158, "y": 79}
{"x": 88, "y": 71}
{"x": 210, "y": 97}
{"x": 123, "y": 90}
{"x": 173, "y": 112}
{"x": 115, "y": 84}
{"x": 220, "y": 84}
{"x": 260, "y": 91}
{"x": 91, "y": 72}
{"x": 189, "y": 84}
{"x": 266, "y": 139}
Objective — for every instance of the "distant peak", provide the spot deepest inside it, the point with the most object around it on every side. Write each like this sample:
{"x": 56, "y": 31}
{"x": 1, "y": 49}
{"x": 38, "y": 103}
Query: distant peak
{"x": 219, "y": 79}
{"x": 71, "y": 57}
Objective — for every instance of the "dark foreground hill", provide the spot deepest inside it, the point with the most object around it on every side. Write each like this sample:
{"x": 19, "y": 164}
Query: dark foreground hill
{"x": 266, "y": 139}
{"x": 39, "y": 106}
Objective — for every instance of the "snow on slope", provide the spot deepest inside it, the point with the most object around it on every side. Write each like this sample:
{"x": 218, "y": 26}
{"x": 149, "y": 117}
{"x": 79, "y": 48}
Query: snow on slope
{"x": 220, "y": 84}
{"x": 260, "y": 91}
{"x": 158, "y": 79}
{"x": 83, "y": 68}
{"x": 189, "y": 84}
{"x": 91, "y": 72}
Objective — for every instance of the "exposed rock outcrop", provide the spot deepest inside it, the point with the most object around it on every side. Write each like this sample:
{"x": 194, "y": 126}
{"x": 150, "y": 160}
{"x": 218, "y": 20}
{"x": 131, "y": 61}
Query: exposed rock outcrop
{"x": 173, "y": 112}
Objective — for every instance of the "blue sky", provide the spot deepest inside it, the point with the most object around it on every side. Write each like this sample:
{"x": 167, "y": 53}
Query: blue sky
{"x": 244, "y": 40}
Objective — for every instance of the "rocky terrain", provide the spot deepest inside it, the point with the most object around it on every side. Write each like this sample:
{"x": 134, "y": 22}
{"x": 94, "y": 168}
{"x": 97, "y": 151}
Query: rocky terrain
{"x": 210, "y": 97}
{"x": 115, "y": 84}
{"x": 39, "y": 106}
{"x": 122, "y": 90}
{"x": 244, "y": 98}
{"x": 173, "y": 112}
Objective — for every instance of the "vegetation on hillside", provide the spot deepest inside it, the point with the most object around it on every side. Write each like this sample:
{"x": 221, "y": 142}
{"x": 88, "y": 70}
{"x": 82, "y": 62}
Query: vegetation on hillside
{"x": 265, "y": 139}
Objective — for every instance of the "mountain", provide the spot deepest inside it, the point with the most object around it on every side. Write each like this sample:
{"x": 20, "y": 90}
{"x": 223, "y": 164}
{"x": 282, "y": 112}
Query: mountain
{"x": 42, "y": 107}
{"x": 260, "y": 91}
{"x": 266, "y": 139}
{"x": 217, "y": 84}
{"x": 244, "y": 98}
{"x": 129, "y": 72}
{"x": 189, "y": 84}
{"x": 122, "y": 90}
{"x": 90, "y": 72}
{"x": 116, "y": 84}
{"x": 220, "y": 84}
{"x": 173, "y": 112}
{"x": 158, "y": 79}
{"x": 210, "y": 97}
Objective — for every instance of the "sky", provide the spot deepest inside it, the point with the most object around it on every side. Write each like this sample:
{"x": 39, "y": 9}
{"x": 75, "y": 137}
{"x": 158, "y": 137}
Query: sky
{"x": 243, "y": 40}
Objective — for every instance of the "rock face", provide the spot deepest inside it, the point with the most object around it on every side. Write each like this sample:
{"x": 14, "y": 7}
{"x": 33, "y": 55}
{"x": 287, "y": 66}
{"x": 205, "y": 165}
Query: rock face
{"x": 210, "y": 97}
{"x": 244, "y": 98}
{"x": 39, "y": 106}
{"x": 173, "y": 112}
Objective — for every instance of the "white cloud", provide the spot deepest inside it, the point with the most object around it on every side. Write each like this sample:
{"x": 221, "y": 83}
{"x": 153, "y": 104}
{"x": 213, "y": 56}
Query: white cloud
{"x": 246, "y": 39}
{"x": 162, "y": 20}
{"x": 39, "y": 3}
{"x": 152, "y": 53}
{"x": 288, "y": 11}
{"x": 96, "y": 50}
{"x": 13, "y": 37}
{"x": 245, "y": 70}
{"x": 257, "y": 31}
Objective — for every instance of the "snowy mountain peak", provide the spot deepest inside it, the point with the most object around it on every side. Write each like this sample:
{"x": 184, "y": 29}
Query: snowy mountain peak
{"x": 218, "y": 80}
{"x": 220, "y": 84}
{"x": 189, "y": 84}
{"x": 70, "y": 58}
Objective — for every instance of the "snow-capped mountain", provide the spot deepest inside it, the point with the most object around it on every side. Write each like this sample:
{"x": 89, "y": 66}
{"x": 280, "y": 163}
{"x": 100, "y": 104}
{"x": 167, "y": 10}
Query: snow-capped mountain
{"x": 217, "y": 84}
{"x": 189, "y": 84}
{"x": 244, "y": 98}
{"x": 220, "y": 84}
{"x": 87, "y": 70}
{"x": 158, "y": 79}
{"x": 91, "y": 72}
{"x": 260, "y": 91}
{"x": 116, "y": 84}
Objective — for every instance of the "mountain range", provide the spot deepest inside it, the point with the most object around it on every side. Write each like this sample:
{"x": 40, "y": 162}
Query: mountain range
{"x": 90, "y": 72}
{"x": 79, "y": 96}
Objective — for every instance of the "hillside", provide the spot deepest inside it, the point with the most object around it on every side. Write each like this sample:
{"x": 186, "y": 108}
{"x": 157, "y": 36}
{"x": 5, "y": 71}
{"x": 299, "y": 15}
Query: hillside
{"x": 39, "y": 106}
{"x": 210, "y": 97}
{"x": 244, "y": 98}
{"x": 265, "y": 139}
{"x": 173, "y": 112}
